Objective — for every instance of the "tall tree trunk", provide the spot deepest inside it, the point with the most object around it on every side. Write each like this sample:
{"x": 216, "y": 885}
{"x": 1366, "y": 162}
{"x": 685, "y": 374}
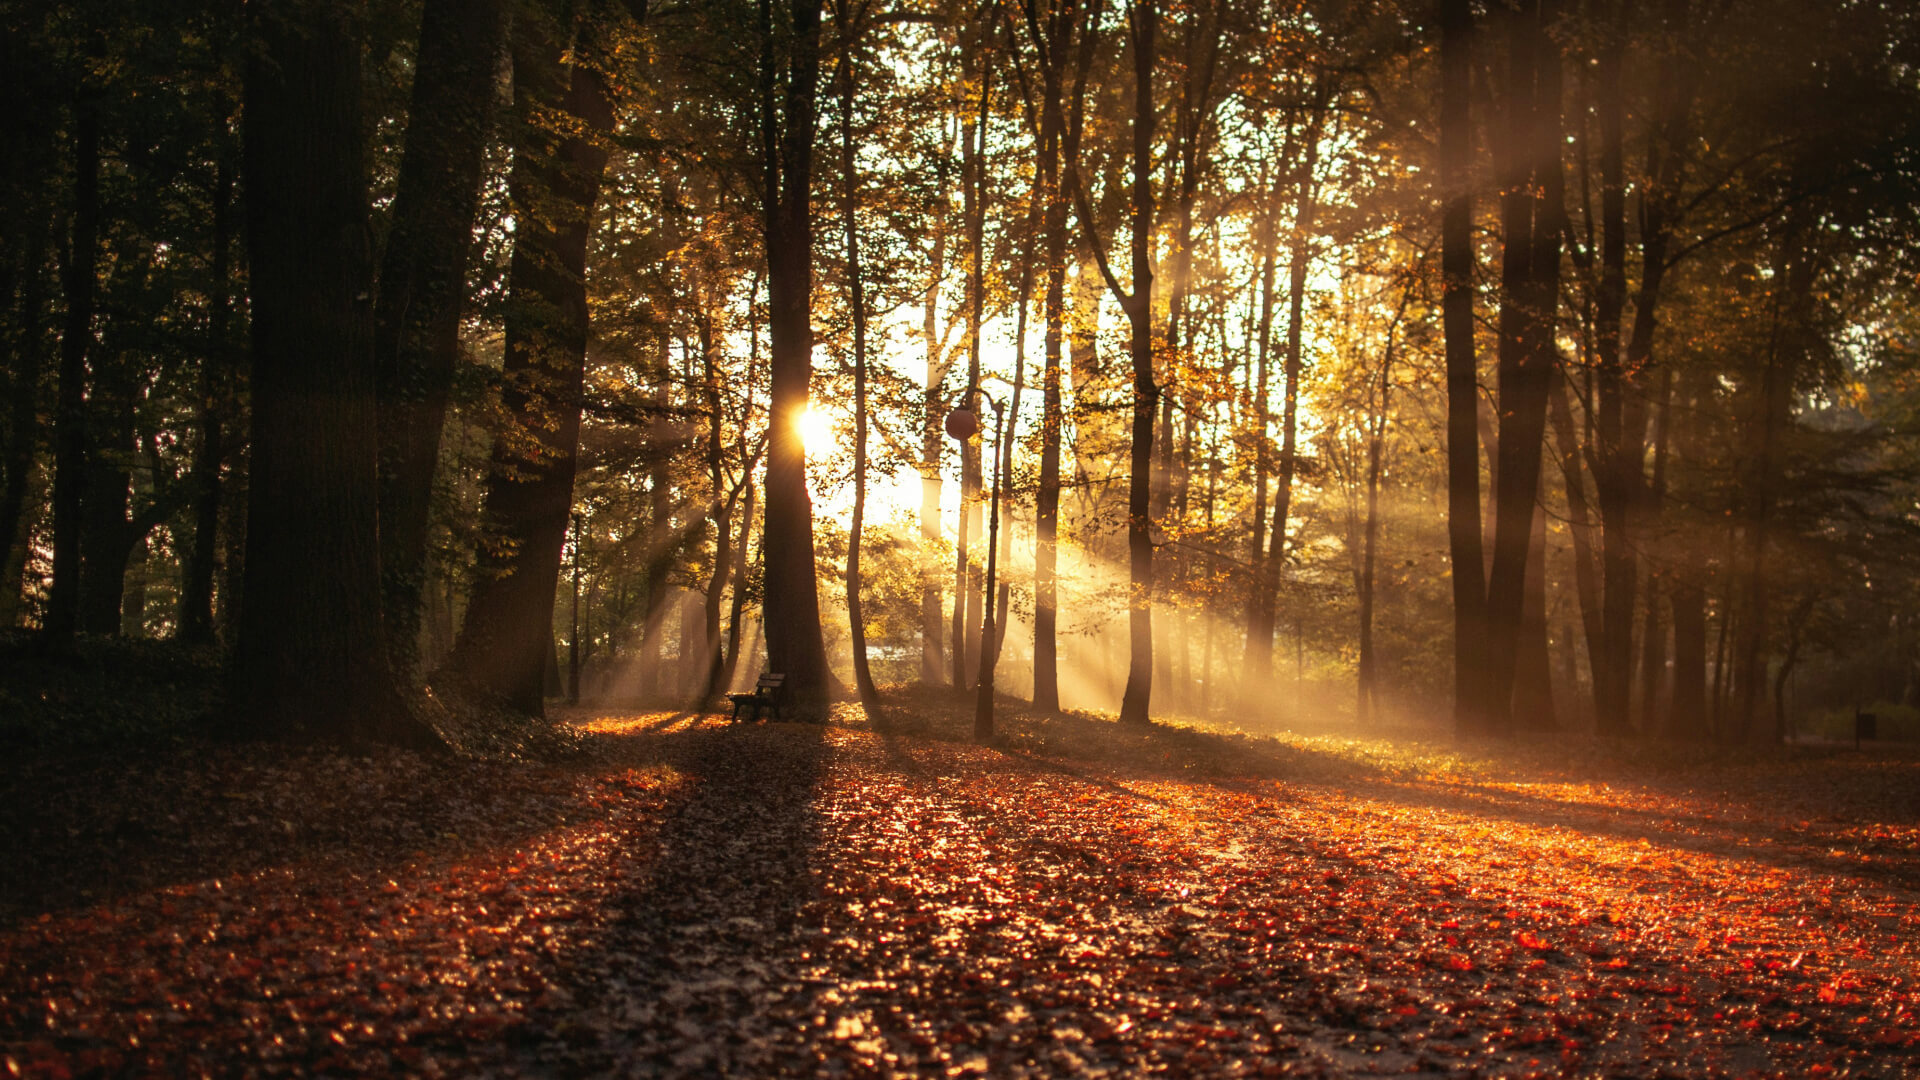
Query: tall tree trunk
{"x": 1465, "y": 552}
{"x": 795, "y": 646}
{"x": 1144, "y": 20}
{"x": 933, "y": 667}
{"x": 416, "y": 341}
{"x": 1653, "y": 637}
{"x": 76, "y": 339}
{"x": 1580, "y": 526}
{"x": 106, "y": 534}
{"x": 660, "y": 532}
{"x": 1258, "y": 654}
{"x": 967, "y": 612}
{"x": 1366, "y": 705}
{"x": 729, "y": 659}
{"x": 307, "y": 658}
{"x": 722, "y": 501}
{"x": 1617, "y": 475}
{"x": 1531, "y": 209}
{"x": 857, "y": 296}
{"x": 1768, "y": 422}
{"x": 507, "y": 637}
{"x": 1687, "y": 594}
{"x": 731, "y": 663}
{"x": 196, "y": 595}
{"x": 23, "y": 427}
{"x": 1300, "y": 259}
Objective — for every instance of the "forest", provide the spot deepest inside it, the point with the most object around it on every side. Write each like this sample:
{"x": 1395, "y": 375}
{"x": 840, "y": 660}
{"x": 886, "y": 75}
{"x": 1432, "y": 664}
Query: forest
{"x": 1136, "y": 453}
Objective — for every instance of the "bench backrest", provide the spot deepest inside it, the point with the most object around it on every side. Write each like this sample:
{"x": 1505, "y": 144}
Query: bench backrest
{"x": 770, "y": 681}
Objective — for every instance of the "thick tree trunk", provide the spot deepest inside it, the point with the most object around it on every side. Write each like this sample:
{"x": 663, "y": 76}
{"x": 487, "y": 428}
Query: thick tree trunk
{"x": 1530, "y": 212}
{"x": 507, "y": 636}
{"x": 76, "y": 339}
{"x": 23, "y": 429}
{"x": 1465, "y": 552}
{"x": 106, "y": 534}
{"x": 416, "y": 342}
{"x": 1533, "y": 672}
{"x": 307, "y": 658}
{"x": 795, "y": 647}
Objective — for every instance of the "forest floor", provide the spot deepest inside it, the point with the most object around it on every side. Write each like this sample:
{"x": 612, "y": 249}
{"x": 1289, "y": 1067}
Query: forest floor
{"x": 689, "y": 898}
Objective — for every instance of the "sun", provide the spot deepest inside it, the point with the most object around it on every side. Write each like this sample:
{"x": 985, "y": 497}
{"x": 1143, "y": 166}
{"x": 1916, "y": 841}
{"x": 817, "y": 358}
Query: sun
{"x": 816, "y": 431}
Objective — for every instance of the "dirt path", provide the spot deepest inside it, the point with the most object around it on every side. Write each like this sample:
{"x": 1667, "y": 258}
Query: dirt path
{"x": 793, "y": 900}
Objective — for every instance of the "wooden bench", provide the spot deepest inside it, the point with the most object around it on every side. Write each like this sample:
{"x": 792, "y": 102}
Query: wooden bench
{"x": 766, "y": 698}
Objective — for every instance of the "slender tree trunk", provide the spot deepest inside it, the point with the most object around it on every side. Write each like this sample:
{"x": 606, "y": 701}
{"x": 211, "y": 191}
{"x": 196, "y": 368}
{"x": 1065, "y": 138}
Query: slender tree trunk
{"x": 1580, "y": 526}
{"x": 423, "y": 288}
{"x": 1457, "y": 34}
{"x": 1653, "y": 637}
{"x": 1144, "y": 18}
{"x": 1617, "y": 475}
{"x": 967, "y": 600}
{"x": 856, "y": 290}
{"x": 1258, "y": 654}
{"x": 1367, "y": 700}
{"x": 732, "y": 662}
{"x": 507, "y": 637}
{"x": 1300, "y": 257}
{"x": 1687, "y": 595}
{"x": 1767, "y": 426}
{"x": 308, "y": 660}
{"x": 196, "y": 595}
{"x": 795, "y": 646}
{"x": 722, "y": 511}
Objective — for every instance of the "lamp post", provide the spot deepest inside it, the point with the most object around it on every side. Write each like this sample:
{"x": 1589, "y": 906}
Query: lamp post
{"x": 962, "y": 423}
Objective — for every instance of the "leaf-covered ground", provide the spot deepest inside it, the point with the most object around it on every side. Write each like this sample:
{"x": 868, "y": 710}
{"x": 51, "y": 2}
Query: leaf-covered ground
{"x": 882, "y": 898}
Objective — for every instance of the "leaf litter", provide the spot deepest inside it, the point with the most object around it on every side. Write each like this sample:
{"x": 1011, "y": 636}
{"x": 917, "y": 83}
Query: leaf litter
{"x": 866, "y": 898}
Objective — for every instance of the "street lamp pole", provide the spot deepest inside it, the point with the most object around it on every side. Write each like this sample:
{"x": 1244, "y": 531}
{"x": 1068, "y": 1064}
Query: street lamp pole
{"x": 962, "y": 423}
{"x": 983, "y": 706}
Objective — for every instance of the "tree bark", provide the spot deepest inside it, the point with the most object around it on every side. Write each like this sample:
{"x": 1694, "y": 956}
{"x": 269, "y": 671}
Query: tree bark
{"x": 1061, "y": 125}
{"x": 1457, "y": 34}
{"x": 1300, "y": 257}
{"x": 1144, "y": 22}
{"x": 196, "y": 595}
{"x": 795, "y": 646}
{"x": 857, "y": 297}
{"x": 76, "y": 339}
{"x": 1531, "y": 210}
{"x": 308, "y": 660}
{"x": 507, "y": 636}
{"x": 1617, "y": 472}
{"x": 416, "y": 341}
